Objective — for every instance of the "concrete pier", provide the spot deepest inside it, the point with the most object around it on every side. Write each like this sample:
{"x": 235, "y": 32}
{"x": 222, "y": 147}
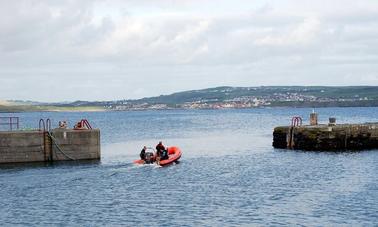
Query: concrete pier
{"x": 327, "y": 137}
{"x": 43, "y": 146}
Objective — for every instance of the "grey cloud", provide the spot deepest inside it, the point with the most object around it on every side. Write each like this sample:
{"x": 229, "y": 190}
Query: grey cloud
{"x": 128, "y": 52}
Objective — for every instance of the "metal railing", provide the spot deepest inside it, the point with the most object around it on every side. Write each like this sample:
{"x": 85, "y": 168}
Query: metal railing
{"x": 11, "y": 122}
{"x": 85, "y": 123}
{"x": 44, "y": 125}
{"x": 296, "y": 121}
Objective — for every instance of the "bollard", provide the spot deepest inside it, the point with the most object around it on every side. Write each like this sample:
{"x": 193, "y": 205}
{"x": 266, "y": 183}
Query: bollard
{"x": 313, "y": 119}
{"x": 332, "y": 121}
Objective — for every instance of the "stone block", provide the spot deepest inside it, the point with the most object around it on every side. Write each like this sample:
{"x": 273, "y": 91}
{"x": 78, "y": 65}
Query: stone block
{"x": 20, "y": 146}
{"x": 325, "y": 138}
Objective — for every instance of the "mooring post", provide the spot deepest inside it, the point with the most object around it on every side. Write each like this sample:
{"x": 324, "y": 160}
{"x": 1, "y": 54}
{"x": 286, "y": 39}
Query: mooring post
{"x": 313, "y": 118}
{"x": 332, "y": 121}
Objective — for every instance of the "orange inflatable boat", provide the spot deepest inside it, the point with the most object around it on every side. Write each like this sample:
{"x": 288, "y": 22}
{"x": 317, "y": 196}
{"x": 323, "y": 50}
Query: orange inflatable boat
{"x": 174, "y": 154}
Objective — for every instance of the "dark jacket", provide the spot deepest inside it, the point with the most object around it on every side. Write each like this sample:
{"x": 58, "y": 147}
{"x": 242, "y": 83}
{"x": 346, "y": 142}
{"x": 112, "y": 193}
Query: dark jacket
{"x": 159, "y": 149}
{"x": 142, "y": 154}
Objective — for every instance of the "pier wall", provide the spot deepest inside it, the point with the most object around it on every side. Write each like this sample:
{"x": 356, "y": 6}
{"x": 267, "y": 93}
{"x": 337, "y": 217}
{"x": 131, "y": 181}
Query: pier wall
{"x": 326, "y": 138}
{"x": 38, "y": 146}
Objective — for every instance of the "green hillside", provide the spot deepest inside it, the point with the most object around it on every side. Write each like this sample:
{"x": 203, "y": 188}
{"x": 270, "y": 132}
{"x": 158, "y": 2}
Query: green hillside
{"x": 219, "y": 97}
{"x": 225, "y": 93}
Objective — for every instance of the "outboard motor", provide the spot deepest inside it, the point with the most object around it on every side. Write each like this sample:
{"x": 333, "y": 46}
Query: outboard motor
{"x": 149, "y": 158}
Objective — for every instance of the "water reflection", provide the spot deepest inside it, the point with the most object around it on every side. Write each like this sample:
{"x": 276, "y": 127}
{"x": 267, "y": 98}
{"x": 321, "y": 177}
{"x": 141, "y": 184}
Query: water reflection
{"x": 229, "y": 175}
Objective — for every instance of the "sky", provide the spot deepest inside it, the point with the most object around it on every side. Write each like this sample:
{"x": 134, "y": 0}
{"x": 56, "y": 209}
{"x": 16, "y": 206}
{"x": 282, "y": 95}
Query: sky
{"x": 61, "y": 50}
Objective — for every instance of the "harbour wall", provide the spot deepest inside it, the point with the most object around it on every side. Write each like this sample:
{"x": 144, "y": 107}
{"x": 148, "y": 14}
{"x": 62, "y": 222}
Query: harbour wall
{"x": 48, "y": 146}
{"x": 327, "y": 137}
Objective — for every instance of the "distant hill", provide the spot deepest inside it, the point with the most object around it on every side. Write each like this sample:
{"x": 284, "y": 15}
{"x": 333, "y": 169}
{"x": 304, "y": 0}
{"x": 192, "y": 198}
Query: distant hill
{"x": 4, "y": 103}
{"x": 245, "y": 97}
{"x": 227, "y": 93}
{"x": 223, "y": 97}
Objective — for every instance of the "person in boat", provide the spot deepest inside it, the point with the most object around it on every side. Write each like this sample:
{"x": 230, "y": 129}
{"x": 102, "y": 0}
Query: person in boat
{"x": 143, "y": 153}
{"x": 161, "y": 152}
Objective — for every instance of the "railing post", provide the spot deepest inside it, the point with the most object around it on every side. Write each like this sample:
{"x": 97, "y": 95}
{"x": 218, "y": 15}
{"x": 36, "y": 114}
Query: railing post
{"x": 10, "y": 122}
{"x": 42, "y": 123}
{"x": 48, "y": 124}
{"x": 296, "y": 121}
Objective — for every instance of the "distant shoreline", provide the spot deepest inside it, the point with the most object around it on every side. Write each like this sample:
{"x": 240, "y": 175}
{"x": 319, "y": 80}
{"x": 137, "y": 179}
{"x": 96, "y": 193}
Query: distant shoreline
{"x": 16, "y": 109}
{"x": 219, "y": 98}
{"x": 20, "y": 109}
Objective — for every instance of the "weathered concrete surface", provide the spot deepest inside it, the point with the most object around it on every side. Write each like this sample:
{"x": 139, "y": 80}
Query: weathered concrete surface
{"x": 37, "y": 146}
{"x": 77, "y": 144}
{"x": 325, "y": 138}
{"x": 19, "y": 146}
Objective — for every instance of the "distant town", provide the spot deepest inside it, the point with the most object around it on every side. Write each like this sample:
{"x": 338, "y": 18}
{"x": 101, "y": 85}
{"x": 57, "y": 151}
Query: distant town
{"x": 252, "y": 97}
{"x": 239, "y": 102}
{"x": 221, "y": 98}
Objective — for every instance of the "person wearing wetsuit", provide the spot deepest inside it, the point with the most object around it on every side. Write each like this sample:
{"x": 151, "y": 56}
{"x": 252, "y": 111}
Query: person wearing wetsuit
{"x": 143, "y": 153}
{"x": 161, "y": 153}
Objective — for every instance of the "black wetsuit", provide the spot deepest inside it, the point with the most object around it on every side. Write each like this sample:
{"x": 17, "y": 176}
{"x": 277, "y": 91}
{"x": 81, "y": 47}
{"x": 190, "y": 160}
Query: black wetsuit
{"x": 160, "y": 151}
{"x": 143, "y": 154}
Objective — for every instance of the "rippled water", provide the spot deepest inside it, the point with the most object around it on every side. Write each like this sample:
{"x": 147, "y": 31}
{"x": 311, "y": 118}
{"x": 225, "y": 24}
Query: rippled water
{"x": 229, "y": 174}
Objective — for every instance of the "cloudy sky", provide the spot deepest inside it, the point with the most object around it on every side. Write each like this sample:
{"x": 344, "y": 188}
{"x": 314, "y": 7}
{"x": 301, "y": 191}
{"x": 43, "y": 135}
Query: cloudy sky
{"x": 105, "y": 50}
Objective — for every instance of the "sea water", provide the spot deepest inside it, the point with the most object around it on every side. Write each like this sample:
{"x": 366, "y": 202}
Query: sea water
{"x": 229, "y": 174}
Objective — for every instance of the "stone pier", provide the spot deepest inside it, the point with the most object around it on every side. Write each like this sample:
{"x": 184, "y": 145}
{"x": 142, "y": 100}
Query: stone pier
{"x": 43, "y": 146}
{"x": 327, "y": 137}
